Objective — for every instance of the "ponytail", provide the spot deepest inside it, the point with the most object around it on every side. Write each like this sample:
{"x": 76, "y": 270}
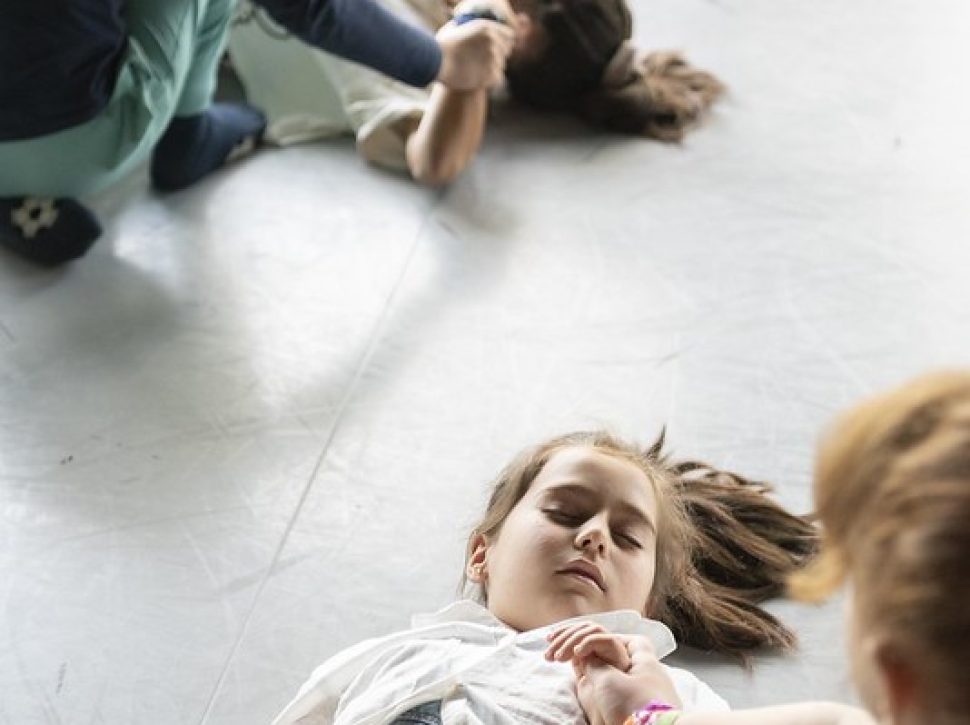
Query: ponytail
{"x": 741, "y": 548}
{"x": 661, "y": 97}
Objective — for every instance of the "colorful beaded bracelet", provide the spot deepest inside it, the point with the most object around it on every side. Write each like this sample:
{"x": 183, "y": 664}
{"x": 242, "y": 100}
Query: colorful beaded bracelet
{"x": 654, "y": 712}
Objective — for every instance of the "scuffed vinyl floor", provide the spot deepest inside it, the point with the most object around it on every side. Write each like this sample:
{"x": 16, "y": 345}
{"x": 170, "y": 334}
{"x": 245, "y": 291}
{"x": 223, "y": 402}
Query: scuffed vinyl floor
{"x": 255, "y": 424}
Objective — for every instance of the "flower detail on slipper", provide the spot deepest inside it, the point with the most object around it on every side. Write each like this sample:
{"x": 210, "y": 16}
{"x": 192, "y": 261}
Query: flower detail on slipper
{"x": 34, "y": 215}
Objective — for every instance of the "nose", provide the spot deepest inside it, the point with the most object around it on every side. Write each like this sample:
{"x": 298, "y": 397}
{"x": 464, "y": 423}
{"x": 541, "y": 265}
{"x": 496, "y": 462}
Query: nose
{"x": 592, "y": 538}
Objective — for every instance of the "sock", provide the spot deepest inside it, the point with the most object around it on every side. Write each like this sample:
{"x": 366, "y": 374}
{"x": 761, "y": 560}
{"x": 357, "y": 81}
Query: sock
{"x": 194, "y": 146}
{"x": 47, "y": 231}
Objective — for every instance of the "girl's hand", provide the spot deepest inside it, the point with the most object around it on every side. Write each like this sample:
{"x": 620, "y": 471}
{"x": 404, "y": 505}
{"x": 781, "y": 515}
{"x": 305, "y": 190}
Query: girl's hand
{"x": 579, "y": 642}
{"x": 473, "y": 55}
{"x": 615, "y": 674}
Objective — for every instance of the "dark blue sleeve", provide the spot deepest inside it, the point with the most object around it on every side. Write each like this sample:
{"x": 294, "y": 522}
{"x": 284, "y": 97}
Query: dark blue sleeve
{"x": 362, "y": 31}
{"x": 59, "y": 61}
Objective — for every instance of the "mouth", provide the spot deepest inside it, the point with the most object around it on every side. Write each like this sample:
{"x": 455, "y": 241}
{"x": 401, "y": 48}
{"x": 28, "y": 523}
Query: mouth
{"x": 585, "y": 571}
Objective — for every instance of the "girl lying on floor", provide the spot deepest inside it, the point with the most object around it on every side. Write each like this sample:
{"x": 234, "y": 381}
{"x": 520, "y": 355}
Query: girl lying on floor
{"x": 569, "y": 55}
{"x": 584, "y": 527}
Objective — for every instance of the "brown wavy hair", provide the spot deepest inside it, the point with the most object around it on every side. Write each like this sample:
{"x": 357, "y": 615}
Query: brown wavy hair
{"x": 723, "y": 546}
{"x": 660, "y": 95}
{"x": 892, "y": 489}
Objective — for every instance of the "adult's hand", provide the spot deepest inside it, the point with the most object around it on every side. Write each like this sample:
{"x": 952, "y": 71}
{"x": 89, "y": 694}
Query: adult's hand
{"x": 473, "y": 54}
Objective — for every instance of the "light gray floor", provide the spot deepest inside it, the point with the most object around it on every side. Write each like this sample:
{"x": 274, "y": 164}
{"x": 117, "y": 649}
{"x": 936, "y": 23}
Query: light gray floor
{"x": 256, "y": 423}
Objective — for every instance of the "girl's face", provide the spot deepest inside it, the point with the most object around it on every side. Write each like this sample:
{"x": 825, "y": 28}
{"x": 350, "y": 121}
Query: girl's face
{"x": 581, "y": 541}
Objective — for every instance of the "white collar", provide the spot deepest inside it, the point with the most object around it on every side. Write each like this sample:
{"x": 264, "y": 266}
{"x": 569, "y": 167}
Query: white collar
{"x": 622, "y": 621}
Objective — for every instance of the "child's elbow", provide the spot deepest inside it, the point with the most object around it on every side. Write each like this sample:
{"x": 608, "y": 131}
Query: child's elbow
{"x": 431, "y": 167}
{"x": 435, "y": 174}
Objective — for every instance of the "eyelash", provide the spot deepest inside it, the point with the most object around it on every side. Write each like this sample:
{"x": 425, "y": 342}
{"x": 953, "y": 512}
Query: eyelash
{"x": 558, "y": 516}
{"x": 571, "y": 520}
{"x": 631, "y": 541}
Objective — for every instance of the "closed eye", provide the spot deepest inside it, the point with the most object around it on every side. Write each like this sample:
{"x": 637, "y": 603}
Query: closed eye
{"x": 563, "y": 518}
{"x": 630, "y": 540}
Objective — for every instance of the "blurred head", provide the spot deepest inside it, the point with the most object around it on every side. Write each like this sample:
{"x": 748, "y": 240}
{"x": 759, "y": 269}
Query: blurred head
{"x": 892, "y": 489}
{"x": 574, "y": 55}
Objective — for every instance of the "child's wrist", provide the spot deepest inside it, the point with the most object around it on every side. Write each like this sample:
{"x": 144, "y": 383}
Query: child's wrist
{"x": 655, "y": 712}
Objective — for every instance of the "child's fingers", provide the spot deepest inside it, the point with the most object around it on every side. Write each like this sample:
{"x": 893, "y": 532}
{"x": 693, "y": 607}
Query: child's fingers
{"x": 562, "y": 641}
{"x": 562, "y": 648}
{"x": 607, "y": 647}
{"x": 588, "y": 643}
{"x": 558, "y": 636}
{"x": 566, "y": 639}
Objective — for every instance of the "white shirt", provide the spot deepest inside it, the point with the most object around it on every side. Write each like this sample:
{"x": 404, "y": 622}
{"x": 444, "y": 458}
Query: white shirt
{"x": 484, "y": 672}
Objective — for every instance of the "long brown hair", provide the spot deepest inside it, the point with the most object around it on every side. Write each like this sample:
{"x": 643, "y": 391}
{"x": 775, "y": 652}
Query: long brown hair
{"x": 658, "y": 95}
{"x": 723, "y": 546}
{"x": 892, "y": 489}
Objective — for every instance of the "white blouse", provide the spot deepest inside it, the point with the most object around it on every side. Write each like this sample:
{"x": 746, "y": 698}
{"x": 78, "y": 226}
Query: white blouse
{"x": 484, "y": 672}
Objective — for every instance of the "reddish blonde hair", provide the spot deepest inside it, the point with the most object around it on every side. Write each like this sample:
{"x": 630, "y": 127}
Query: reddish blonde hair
{"x": 723, "y": 546}
{"x": 892, "y": 490}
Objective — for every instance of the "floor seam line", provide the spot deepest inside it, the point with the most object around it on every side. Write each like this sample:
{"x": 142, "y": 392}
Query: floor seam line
{"x": 372, "y": 345}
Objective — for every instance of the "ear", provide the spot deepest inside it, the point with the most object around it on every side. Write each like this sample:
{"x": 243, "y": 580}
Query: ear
{"x": 899, "y": 679}
{"x": 476, "y": 569}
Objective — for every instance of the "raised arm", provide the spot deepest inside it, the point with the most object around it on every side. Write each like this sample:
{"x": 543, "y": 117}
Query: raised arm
{"x": 450, "y": 131}
{"x": 448, "y": 135}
